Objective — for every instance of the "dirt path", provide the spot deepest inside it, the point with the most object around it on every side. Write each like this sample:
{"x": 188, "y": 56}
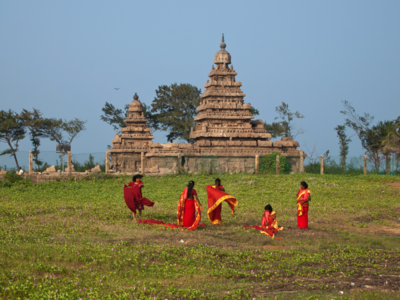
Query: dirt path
{"x": 394, "y": 184}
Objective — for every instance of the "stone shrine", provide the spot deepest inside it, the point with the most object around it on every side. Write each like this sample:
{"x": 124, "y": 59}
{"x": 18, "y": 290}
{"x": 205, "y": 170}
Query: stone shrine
{"x": 226, "y": 138}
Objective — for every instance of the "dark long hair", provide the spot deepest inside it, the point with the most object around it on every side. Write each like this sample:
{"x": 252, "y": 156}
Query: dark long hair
{"x": 190, "y": 188}
{"x": 218, "y": 180}
{"x": 268, "y": 207}
{"x": 303, "y": 183}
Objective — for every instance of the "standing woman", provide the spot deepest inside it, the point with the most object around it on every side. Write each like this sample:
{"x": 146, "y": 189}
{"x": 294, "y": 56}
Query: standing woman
{"x": 303, "y": 199}
{"x": 188, "y": 205}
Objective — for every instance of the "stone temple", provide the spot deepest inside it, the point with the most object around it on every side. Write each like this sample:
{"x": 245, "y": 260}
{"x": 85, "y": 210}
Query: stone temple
{"x": 226, "y": 138}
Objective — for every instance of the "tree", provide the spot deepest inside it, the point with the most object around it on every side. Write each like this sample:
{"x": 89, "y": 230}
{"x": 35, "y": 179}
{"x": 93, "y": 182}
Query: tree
{"x": 285, "y": 127}
{"x": 11, "y": 132}
{"x": 176, "y": 107}
{"x": 115, "y": 116}
{"x": 391, "y": 142}
{"x": 35, "y": 123}
{"x": 359, "y": 123}
{"x": 254, "y": 111}
{"x": 73, "y": 127}
{"x": 58, "y": 130}
{"x": 275, "y": 128}
{"x": 343, "y": 143}
{"x": 386, "y": 135}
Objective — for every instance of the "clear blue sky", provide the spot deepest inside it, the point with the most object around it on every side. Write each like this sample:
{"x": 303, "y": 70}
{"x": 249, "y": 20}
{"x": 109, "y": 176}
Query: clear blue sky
{"x": 66, "y": 57}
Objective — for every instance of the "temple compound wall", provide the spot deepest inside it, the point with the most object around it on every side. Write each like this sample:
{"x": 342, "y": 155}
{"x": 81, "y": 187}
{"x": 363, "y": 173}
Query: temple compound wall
{"x": 226, "y": 138}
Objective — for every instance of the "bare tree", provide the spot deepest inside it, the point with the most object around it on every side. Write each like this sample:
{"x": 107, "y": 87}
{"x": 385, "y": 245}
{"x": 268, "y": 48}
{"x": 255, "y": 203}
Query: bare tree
{"x": 285, "y": 127}
{"x": 12, "y": 130}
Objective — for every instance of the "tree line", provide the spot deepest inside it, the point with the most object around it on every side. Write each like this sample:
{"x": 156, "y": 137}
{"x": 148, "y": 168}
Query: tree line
{"x": 14, "y": 127}
{"x": 379, "y": 141}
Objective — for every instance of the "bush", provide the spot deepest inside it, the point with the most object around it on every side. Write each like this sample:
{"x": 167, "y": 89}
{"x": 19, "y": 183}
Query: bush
{"x": 268, "y": 164}
{"x": 12, "y": 177}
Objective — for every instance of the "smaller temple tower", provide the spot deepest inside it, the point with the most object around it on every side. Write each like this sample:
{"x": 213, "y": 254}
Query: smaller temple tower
{"x": 134, "y": 139}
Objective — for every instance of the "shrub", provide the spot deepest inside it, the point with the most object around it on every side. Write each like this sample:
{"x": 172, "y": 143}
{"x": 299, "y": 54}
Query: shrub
{"x": 12, "y": 177}
{"x": 268, "y": 164}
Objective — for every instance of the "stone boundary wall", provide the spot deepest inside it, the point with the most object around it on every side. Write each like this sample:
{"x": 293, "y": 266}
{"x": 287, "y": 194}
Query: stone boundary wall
{"x": 206, "y": 164}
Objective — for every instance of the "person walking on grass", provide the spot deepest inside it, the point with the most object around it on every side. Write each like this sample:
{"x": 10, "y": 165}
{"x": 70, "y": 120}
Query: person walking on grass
{"x": 303, "y": 199}
{"x": 133, "y": 196}
{"x": 188, "y": 205}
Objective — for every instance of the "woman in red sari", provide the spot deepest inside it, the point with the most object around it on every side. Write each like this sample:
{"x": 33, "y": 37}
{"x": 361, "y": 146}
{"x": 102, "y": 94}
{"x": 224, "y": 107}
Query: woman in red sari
{"x": 269, "y": 224}
{"x": 216, "y": 195}
{"x": 217, "y": 210}
{"x": 303, "y": 199}
{"x": 133, "y": 196}
{"x": 188, "y": 205}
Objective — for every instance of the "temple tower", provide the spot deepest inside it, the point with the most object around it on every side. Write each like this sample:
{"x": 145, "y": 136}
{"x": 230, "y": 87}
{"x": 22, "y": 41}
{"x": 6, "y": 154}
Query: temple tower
{"x": 135, "y": 134}
{"x": 222, "y": 113}
{"x": 134, "y": 139}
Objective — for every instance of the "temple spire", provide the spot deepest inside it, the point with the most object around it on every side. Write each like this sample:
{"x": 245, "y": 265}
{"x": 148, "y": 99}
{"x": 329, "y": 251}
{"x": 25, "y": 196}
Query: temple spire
{"x": 223, "y": 45}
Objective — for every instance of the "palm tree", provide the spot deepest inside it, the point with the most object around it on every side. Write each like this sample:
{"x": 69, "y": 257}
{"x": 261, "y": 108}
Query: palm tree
{"x": 385, "y": 139}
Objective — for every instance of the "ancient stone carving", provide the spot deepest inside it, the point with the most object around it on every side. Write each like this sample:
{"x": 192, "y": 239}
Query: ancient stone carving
{"x": 96, "y": 169}
{"x": 154, "y": 169}
{"x": 51, "y": 169}
{"x": 72, "y": 169}
{"x": 264, "y": 143}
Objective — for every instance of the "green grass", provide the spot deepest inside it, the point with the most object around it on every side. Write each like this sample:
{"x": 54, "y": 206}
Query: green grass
{"x": 73, "y": 240}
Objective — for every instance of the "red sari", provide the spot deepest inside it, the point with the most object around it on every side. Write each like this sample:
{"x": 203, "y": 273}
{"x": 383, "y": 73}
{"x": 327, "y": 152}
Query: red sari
{"x": 269, "y": 224}
{"x": 215, "y": 199}
{"x": 302, "y": 209}
{"x": 186, "y": 212}
{"x": 133, "y": 197}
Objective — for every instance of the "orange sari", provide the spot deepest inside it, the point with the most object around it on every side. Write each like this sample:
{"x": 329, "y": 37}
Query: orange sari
{"x": 215, "y": 199}
{"x": 270, "y": 225}
{"x": 181, "y": 211}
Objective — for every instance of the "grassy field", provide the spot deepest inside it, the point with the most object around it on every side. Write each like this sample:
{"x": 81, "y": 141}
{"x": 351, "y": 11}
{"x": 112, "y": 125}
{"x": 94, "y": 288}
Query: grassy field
{"x": 76, "y": 240}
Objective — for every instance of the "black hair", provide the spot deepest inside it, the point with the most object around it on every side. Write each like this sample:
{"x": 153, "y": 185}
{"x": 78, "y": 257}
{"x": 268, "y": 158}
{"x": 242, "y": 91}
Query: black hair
{"x": 190, "y": 188}
{"x": 136, "y": 176}
{"x": 219, "y": 181}
{"x": 303, "y": 183}
{"x": 268, "y": 207}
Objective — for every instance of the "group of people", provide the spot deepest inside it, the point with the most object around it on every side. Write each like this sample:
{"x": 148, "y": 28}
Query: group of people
{"x": 189, "y": 206}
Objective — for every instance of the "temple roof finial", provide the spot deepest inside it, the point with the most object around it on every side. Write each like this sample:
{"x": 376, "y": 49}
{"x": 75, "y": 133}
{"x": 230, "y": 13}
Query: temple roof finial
{"x": 223, "y": 45}
{"x": 136, "y": 97}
